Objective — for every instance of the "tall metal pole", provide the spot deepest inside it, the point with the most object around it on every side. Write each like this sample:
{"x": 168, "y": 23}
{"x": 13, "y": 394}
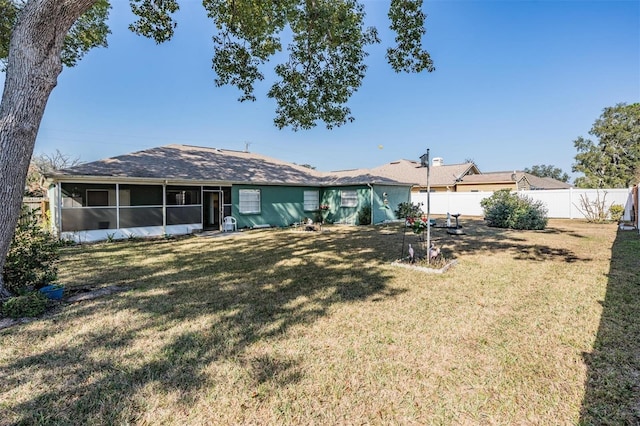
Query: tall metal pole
{"x": 428, "y": 211}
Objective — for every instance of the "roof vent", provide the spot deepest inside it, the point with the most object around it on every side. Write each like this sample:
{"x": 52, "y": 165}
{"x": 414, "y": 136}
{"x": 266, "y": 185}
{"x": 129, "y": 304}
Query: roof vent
{"x": 438, "y": 161}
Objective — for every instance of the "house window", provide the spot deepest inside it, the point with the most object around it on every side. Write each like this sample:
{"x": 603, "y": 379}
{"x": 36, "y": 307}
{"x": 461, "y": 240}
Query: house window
{"x": 348, "y": 198}
{"x": 311, "y": 200}
{"x": 249, "y": 201}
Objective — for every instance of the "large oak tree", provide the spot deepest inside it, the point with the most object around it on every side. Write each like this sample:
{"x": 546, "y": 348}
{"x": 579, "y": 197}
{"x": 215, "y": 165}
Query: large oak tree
{"x": 325, "y": 63}
{"x": 614, "y": 161}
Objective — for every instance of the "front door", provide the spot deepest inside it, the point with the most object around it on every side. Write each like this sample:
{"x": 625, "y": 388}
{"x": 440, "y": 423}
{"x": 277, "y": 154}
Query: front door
{"x": 212, "y": 205}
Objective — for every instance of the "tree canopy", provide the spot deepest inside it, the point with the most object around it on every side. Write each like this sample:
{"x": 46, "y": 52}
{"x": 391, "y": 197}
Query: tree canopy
{"x": 90, "y": 30}
{"x": 614, "y": 160}
{"x": 326, "y": 56}
{"x": 544, "y": 170}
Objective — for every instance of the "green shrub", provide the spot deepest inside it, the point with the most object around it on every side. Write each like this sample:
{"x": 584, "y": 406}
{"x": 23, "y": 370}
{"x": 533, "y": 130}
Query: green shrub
{"x": 31, "y": 262}
{"x": 505, "y": 209}
{"x": 408, "y": 210}
{"x": 29, "y": 305}
{"x": 364, "y": 216}
{"x": 616, "y": 211}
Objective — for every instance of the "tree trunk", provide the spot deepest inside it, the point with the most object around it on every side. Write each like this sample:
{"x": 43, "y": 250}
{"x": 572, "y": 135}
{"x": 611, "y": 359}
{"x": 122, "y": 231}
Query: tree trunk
{"x": 33, "y": 66}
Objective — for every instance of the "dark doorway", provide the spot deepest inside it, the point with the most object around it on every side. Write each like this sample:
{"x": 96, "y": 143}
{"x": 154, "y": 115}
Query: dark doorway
{"x": 211, "y": 210}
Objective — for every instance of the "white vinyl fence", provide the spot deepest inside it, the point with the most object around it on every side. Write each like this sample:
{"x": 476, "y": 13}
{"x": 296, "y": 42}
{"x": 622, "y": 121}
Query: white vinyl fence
{"x": 560, "y": 203}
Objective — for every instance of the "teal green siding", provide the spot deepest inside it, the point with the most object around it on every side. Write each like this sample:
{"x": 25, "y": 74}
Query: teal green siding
{"x": 279, "y": 206}
{"x": 284, "y": 205}
{"x": 339, "y": 214}
{"x": 384, "y": 207}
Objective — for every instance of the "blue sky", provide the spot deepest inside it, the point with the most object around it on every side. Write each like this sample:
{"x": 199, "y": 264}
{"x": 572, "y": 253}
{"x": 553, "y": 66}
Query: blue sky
{"x": 515, "y": 83}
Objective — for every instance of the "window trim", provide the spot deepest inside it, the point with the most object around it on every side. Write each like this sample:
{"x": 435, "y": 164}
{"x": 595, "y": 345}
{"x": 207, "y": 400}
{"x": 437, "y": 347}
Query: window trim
{"x": 306, "y": 204}
{"x": 242, "y": 209}
{"x": 348, "y": 198}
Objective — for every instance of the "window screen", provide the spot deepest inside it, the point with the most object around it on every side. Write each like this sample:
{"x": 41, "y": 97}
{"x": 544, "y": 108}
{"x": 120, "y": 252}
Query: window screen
{"x": 311, "y": 200}
{"x": 249, "y": 201}
{"x": 348, "y": 198}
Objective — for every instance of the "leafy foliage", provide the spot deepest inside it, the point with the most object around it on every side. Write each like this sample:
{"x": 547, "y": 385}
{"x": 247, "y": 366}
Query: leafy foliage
{"x": 615, "y": 212}
{"x": 417, "y": 223}
{"x": 29, "y": 305}
{"x": 505, "y": 209}
{"x": 364, "y": 216}
{"x": 325, "y": 65}
{"x": 154, "y": 18}
{"x": 246, "y": 40}
{"x": 543, "y": 170}
{"x": 8, "y": 15}
{"x": 408, "y": 209}
{"x": 89, "y": 31}
{"x": 407, "y": 20}
{"x": 326, "y": 56}
{"x": 614, "y": 162}
{"x": 33, "y": 255}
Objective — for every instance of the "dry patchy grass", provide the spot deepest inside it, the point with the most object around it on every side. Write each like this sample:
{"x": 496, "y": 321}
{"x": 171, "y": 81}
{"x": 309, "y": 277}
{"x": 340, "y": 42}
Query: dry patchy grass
{"x": 282, "y": 327}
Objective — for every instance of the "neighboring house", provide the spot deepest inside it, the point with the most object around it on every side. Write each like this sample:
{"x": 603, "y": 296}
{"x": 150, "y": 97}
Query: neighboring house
{"x": 515, "y": 180}
{"x": 441, "y": 177}
{"x": 180, "y": 189}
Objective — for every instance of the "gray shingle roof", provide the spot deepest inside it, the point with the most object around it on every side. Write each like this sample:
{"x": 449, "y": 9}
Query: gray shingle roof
{"x": 411, "y": 171}
{"x": 190, "y": 163}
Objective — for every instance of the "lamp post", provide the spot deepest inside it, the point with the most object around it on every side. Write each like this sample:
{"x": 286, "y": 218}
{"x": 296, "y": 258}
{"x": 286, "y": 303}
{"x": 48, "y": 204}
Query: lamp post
{"x": 424, "y": 161}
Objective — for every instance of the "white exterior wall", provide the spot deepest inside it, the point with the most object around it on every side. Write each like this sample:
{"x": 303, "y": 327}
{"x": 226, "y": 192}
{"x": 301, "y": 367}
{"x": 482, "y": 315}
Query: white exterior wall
{"x": 561, "y": 203}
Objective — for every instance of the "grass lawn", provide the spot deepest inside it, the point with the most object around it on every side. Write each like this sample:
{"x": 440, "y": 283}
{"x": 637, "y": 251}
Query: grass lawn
{"x": 289, "y": 327}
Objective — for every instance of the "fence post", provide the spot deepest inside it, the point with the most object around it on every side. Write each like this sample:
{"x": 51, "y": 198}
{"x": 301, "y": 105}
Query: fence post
{"x": 570, "y": 203}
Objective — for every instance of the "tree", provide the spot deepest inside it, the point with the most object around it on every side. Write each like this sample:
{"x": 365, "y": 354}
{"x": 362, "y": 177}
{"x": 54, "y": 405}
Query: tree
{"x": 543, "y": 170}
{"x": 614, "y": 162}
{"x": 324, "y": 68}
{"x": 40, "y": 166}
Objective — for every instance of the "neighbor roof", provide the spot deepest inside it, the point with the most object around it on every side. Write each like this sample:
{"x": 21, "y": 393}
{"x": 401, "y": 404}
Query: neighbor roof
{"x": 507, "y": 177}
{"x": 546, "y": 182}
{"x": 191, "y": 163}
{"x": 412, "y": 171}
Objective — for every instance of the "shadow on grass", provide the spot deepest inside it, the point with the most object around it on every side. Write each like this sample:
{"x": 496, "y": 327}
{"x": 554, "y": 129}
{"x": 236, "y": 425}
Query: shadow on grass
{"x": 480, "y": 238}
{"x": 612, "y": 395}
{"x": 208, "y": 300}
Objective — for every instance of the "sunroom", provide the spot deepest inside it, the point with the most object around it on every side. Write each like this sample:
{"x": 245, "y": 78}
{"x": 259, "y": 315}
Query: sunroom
{"x": 94, "y": 211}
